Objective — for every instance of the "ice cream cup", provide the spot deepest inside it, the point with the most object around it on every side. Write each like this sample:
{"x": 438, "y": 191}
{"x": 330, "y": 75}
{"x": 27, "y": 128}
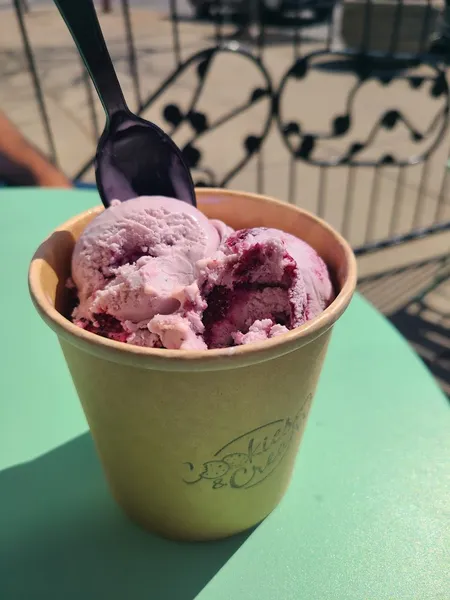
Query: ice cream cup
{"x": 197, "y": 445}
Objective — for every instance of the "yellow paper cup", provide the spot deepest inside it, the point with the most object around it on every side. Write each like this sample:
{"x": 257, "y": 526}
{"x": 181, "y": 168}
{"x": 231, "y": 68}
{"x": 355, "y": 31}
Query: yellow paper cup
{"x": 197, "y": 445}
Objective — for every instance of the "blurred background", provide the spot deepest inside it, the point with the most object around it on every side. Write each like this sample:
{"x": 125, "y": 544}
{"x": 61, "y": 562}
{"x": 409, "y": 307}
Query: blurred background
{"x": 340, "y": 107}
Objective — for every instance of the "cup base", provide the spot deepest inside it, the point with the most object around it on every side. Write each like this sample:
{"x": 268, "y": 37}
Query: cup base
{"x": 178, "y": 534}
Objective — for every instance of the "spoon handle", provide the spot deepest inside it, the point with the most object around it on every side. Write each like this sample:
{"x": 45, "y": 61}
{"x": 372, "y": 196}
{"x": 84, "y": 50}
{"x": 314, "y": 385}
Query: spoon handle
{"x": 81, "y": 20}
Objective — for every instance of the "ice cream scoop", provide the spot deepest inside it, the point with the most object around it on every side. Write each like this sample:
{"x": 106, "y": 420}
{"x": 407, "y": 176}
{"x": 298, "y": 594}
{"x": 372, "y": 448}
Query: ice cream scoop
{"x": 134, "y": 260}
{"x": 262, "y": 282}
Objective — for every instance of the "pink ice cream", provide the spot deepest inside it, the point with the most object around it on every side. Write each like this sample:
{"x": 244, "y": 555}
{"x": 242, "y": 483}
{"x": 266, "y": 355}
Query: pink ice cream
{"x": 156, "y": 272}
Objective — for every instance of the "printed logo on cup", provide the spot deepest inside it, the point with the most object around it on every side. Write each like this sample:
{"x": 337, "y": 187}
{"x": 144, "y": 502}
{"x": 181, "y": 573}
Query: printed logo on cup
{"x": 250, "y": 458}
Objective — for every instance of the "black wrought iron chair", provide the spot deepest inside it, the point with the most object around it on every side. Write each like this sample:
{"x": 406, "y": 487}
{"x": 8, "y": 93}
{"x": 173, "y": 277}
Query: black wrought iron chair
{"x": 423, "y": 71}
{"x": 356, "y": 173}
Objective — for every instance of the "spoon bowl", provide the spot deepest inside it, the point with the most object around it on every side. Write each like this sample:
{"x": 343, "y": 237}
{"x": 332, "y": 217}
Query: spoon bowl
{"x": 134, "y": 156}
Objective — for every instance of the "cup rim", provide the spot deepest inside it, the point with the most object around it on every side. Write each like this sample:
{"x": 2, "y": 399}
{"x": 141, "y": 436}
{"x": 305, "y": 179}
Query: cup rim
{"x": 182, "y": 360}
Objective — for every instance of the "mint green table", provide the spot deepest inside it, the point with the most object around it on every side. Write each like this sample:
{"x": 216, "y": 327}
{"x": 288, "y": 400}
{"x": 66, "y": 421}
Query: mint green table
{"x": 366, "y": 517}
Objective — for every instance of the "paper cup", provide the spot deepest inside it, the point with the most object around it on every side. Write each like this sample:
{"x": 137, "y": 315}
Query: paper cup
{"x": 197, "y": 445}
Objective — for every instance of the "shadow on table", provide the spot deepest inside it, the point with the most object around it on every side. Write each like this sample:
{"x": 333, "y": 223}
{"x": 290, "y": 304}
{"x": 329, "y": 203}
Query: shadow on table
{"x": 62, "y": 537}
{"x": 423, "y": 328}
{"x": 416, "y": 299}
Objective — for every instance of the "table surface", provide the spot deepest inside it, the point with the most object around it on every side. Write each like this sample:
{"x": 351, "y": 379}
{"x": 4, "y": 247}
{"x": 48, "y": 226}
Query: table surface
{"x": 366, "y": 516}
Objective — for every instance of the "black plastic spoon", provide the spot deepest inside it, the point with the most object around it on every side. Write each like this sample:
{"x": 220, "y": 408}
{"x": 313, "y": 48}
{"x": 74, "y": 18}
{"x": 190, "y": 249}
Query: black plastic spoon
{"x": 134, "y": 157}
